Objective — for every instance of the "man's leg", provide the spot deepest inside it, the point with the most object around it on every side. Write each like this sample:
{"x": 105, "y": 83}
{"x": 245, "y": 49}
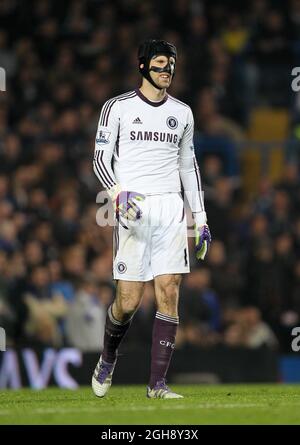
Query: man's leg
{"x": 119, "y": 316}
{"x": 118, "y": 320}
{"x": 164, "y": 332}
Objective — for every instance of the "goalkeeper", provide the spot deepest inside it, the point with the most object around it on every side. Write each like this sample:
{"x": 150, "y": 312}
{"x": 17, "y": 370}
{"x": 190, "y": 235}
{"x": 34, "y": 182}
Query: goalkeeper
{"x": 143, "y": 153}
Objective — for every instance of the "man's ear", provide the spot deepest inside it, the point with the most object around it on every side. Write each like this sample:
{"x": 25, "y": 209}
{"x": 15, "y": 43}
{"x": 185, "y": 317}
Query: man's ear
{"x": 141, "y": 65}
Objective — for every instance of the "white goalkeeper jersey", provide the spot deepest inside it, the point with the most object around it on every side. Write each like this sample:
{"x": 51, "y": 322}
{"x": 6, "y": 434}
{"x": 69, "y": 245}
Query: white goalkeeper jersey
{"x": 147, "y": 147}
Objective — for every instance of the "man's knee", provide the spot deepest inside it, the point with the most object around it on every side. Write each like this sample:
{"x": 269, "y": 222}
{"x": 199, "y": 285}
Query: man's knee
{"x": 128, "y": 305}
{"x": 128, "y": 299}
{"x": 168, "y": 294}
{"x": 169, "y": 287}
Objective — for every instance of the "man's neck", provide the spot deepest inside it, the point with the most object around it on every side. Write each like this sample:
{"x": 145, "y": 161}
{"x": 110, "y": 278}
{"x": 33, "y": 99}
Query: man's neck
{"x": 152, "y": 93}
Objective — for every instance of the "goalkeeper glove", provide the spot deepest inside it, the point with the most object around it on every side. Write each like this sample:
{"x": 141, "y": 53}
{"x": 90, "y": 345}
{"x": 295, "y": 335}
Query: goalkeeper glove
{"x": 202, "y": 235}
{"x": 124, "y": 204}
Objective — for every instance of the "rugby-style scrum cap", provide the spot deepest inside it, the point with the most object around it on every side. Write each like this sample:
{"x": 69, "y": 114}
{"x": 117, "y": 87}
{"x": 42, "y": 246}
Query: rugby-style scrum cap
{"x": 151, "y": 48}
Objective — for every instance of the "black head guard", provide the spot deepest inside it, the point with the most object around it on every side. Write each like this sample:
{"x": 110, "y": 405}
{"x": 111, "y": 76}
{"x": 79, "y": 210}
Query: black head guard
{"x": 151, "y": 48}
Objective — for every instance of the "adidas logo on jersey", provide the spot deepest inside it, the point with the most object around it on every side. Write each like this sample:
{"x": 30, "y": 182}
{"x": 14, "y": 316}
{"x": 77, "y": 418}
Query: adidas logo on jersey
{"x": 137, "y": 121}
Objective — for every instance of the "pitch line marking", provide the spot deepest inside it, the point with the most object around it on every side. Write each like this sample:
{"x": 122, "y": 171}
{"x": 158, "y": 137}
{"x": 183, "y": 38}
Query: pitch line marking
{"x": 144, "y": 408}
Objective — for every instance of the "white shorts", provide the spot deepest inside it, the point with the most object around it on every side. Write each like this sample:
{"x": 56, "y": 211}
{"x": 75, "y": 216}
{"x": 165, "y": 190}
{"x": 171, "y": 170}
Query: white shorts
{"x": 156, "y": 244}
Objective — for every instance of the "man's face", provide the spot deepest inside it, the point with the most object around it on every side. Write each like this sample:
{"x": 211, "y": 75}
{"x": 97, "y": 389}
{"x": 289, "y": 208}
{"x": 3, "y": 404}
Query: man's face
{"x": 161, "y": 79}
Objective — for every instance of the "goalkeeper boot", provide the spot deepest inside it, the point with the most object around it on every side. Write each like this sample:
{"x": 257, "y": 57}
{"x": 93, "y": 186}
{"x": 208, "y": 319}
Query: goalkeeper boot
{"x": 102, "y": 377}
{"x": 161, "y": 391}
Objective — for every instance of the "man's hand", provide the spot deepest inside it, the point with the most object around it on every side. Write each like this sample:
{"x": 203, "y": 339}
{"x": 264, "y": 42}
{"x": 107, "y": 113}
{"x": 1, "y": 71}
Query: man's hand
{"x": 124, "y": 203}
{"x": 202, "y": 241}
{"x": 126, "y": 207}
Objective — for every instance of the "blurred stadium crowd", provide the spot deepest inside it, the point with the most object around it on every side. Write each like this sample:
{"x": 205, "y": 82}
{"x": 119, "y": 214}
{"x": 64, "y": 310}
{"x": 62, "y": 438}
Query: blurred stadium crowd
{"x": 63, "y": 60}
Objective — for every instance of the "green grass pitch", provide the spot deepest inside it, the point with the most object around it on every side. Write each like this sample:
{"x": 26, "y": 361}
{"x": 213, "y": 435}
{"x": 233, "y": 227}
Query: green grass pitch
{"x": 127, "y": 405}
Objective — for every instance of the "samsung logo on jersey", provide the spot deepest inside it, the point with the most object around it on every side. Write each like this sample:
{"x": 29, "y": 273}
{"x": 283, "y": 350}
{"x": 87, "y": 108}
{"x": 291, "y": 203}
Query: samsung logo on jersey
{"x": 153, "y": 136}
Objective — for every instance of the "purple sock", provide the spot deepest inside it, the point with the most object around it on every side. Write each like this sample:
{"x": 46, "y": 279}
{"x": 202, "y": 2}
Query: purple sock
{"x": 163, "y": 343}
{"x": 114, "y": 334}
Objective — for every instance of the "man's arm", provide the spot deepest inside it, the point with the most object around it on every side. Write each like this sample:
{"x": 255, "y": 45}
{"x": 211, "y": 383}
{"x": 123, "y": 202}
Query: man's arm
{"x": 105, "y": 144}
{"x": 191, "y": 181}
{"x": 189, "y": 173}
{"x": 106, "y": 138}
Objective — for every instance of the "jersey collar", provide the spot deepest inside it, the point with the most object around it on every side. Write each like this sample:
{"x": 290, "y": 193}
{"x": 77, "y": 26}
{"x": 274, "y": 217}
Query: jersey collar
{"x": 153, "y": 104}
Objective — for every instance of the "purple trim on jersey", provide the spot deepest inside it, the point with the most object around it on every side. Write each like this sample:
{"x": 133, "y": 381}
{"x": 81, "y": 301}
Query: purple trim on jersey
{"x": 153, "y": 104}
{"x": 101, "y": 169}
{"x": 105, "y": 169}
{"x": 99, "y": 172}
{"x": 103, "y": 113}
{"x": 178, "y": 101}
{"x": 118, "y": 143}
{"x": 105, "y": 180}
{"x": 130, "y": 96}
{"x": 116, "y": 237}
{"x": 200, "y": 190}
{"x": 183, "y": 213}
{"x": 198, "y": 181}
{"x": 108, "y": 113}
{"x": 109, "y": 104}
{"x": 122, "y": 224}
{"x": 133, "y": 94}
